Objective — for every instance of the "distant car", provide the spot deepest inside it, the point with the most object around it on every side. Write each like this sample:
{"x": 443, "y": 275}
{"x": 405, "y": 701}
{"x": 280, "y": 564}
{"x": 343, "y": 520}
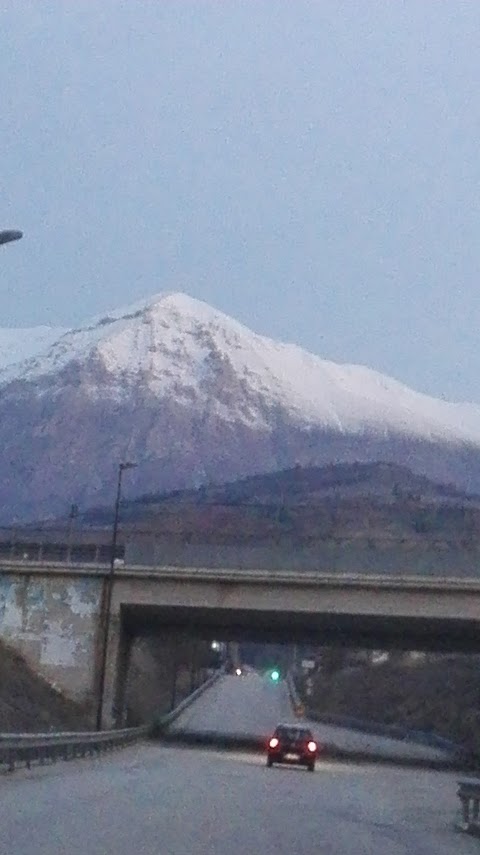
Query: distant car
{"x": 292, "y": 743}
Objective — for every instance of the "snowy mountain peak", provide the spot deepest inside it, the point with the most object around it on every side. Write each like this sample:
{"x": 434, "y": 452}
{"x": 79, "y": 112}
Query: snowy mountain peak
{"x": 174, "y": 346}
{"x": 172, "y": 306}
{"x": 125, "y": 338}
{"x": 193, "y": 397}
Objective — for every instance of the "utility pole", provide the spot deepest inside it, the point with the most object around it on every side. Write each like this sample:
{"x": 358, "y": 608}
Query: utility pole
{"x": 105, "y": 614}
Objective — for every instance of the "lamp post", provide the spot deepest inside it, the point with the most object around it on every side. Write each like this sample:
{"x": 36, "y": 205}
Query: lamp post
{"x": 9, "y": 235}
{"x": 107, "y": 594}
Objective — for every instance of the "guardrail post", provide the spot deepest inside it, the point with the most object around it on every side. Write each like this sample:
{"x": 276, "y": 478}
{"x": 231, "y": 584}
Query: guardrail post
{"x": 469, "y": 795}
{"x": 465, "y": 810}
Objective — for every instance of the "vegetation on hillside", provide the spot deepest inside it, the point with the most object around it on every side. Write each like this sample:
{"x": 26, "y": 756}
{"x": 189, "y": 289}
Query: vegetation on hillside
{"x": 374, "y": 502}
{"x": 433, "y": 693}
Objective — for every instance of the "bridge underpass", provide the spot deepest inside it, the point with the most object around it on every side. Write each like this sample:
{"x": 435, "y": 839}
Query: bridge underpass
{"x": 289, "y": 628}
{"x": 354, "y": 630}
{"x": 403, "y": 612}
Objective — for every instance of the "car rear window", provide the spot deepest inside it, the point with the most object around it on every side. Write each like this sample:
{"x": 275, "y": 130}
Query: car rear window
{"x": 293, "y": 733}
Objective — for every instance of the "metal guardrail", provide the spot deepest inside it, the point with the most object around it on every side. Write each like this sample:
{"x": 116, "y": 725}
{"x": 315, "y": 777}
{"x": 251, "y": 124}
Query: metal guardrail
{"x": 162, "y": 723}
{"x": 27, "y": 749}
{"x": 469, "y": 795}
{"x": 40, "y": 748}
{"x": 403, "y": 734}
{"x": 295, "y": 698}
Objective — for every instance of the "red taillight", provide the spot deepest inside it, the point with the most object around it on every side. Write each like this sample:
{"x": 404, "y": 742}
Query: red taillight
{"x": 312, "y": 746}
{"x": 273, "y": 742}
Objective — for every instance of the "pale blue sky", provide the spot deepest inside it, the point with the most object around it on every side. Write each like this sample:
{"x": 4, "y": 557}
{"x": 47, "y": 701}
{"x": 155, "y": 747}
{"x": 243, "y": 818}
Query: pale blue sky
{"x": 311, "y": 168}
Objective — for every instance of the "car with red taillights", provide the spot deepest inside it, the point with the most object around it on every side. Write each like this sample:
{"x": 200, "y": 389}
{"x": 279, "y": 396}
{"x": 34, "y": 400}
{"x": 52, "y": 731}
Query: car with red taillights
{"x": 292, "y": 743}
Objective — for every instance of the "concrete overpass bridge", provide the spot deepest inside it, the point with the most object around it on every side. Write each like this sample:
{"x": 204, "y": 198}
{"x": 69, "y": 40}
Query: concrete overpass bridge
{"x": 51, "y": 614}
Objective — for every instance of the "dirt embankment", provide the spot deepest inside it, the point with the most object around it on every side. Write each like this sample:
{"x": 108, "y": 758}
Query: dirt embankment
{"x": 162, "y": 672}
{"x": 438, "y": 695}
{"x": 29, "y": 704}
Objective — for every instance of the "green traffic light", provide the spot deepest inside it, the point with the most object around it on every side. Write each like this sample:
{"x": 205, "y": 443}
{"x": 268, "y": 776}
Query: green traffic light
{"x": 275, "y": 676}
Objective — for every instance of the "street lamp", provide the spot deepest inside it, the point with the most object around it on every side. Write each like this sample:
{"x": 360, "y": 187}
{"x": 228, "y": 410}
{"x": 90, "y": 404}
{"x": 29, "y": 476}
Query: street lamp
{"x": 9, "y": 235}
{"x": 107, "y": 593}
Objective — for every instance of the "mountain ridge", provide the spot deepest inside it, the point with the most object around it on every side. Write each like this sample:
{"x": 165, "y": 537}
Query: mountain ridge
{"x": 337, "y": 485}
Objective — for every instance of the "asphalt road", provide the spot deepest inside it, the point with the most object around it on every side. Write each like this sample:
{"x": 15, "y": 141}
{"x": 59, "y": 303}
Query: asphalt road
{"x": 250, "y": 705}
{"x": 253, "y": 705}
{"x": 154, "y": 799}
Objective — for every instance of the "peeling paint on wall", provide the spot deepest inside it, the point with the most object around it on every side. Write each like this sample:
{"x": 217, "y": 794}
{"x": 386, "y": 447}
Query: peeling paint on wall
{"x": 59, "y": 646}
{"x": 35, "y": 595}
{"x": 10, "y": 610}
{"x": 82, "y": 599}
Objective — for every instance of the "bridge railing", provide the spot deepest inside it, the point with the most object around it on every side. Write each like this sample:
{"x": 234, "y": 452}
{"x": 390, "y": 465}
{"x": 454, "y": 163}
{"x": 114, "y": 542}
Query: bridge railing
{"x": 40, "y": 748}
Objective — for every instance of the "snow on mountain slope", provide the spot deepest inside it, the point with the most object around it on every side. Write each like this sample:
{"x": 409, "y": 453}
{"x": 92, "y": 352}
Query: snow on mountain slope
{"x": 174, "y": 345}
{"x": 17, "y": 345}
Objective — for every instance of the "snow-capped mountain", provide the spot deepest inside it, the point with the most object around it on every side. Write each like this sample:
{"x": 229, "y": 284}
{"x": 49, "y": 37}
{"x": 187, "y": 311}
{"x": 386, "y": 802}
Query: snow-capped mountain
{"x": 191, "y": 394}
{"x": 176, "y": 345}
